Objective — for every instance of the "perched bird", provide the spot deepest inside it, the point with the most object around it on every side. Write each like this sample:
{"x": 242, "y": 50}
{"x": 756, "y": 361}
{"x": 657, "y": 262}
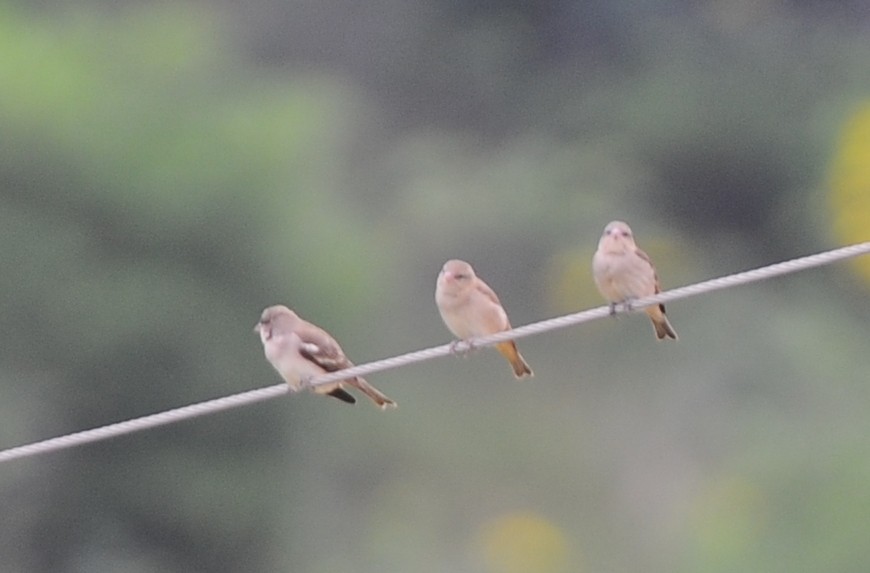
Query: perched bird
{"x": 623, "y": 273}
{"x": 299, "y": 351}
{"x": 470, "y": 309}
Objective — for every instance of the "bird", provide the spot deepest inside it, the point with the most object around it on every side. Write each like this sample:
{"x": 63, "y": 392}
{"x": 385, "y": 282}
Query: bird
{"x": 471, "y": 309}
{"x": 623, "y": 273}
{"x": 299, "y": 351}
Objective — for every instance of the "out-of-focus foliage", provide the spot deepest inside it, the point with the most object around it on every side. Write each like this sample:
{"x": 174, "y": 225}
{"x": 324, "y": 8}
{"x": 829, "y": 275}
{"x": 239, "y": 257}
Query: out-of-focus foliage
{"x": 135, "y": 252}
{"x": 169, "y": 169}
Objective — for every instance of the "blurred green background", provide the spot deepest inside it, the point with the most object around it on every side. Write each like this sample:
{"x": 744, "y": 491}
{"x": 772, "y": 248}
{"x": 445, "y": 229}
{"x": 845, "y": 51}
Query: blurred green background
{"x": 168, "y": 169}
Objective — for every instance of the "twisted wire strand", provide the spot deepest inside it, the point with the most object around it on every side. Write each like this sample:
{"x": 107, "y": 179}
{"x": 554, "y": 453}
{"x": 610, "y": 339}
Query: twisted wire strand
{"x": 260, "y": 394}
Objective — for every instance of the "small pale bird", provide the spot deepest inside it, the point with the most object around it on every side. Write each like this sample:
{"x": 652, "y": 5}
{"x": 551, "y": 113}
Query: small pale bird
{"x": 471, "y": 309}
{"x": 623, "y": 273}
{"x": 299, "y": 351}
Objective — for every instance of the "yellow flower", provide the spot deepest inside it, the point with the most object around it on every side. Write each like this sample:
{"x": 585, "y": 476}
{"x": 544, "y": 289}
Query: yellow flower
{"x": 524, "y": 543}
{"x": 849, "y": 195}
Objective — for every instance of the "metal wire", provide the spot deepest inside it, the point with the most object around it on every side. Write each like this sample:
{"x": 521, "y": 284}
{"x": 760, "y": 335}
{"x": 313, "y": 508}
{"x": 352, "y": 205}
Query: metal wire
{"x": 236, "y": 400}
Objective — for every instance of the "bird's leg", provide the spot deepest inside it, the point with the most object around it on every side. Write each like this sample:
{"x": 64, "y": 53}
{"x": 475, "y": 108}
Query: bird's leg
{"x": 613, "y": 309}
{"x": 627, "y": 304}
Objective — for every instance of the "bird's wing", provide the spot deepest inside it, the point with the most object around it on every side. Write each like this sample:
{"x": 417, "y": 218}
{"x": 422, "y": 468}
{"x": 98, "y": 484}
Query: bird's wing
{"x": 484, "y": 289}
{"x": 489, "y": 294}
{"x": 320, "y": 348}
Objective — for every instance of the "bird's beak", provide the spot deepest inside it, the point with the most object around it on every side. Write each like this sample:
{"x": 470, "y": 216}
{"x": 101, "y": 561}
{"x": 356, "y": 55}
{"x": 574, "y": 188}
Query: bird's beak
{"x": 257, "y": 327}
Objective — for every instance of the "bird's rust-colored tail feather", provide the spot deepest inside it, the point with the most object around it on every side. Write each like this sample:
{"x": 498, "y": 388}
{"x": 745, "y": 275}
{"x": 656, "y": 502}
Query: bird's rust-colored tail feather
{"x": 376, "y": 395}
{"x": 660, "y": 322}
{"x": 509, "y": 350}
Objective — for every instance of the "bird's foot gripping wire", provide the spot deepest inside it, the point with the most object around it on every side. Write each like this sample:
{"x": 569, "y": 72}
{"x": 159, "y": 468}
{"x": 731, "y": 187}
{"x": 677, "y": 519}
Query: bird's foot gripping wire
{"x": 305, "y": 383}
{"x": 461, "y": 347}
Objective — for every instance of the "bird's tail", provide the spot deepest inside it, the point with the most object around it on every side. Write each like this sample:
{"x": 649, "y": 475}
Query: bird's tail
{"x": 342, "y": 395}
{"x": 509, "y": 350}
{"x": 376, "y": 395}
{"x": 660, "y": 322}
{"x": 335, "y": 390}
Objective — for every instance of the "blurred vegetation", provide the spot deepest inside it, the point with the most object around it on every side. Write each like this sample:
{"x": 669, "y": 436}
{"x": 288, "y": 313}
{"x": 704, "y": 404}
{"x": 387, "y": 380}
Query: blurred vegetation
{"x": 169, "y": 169}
